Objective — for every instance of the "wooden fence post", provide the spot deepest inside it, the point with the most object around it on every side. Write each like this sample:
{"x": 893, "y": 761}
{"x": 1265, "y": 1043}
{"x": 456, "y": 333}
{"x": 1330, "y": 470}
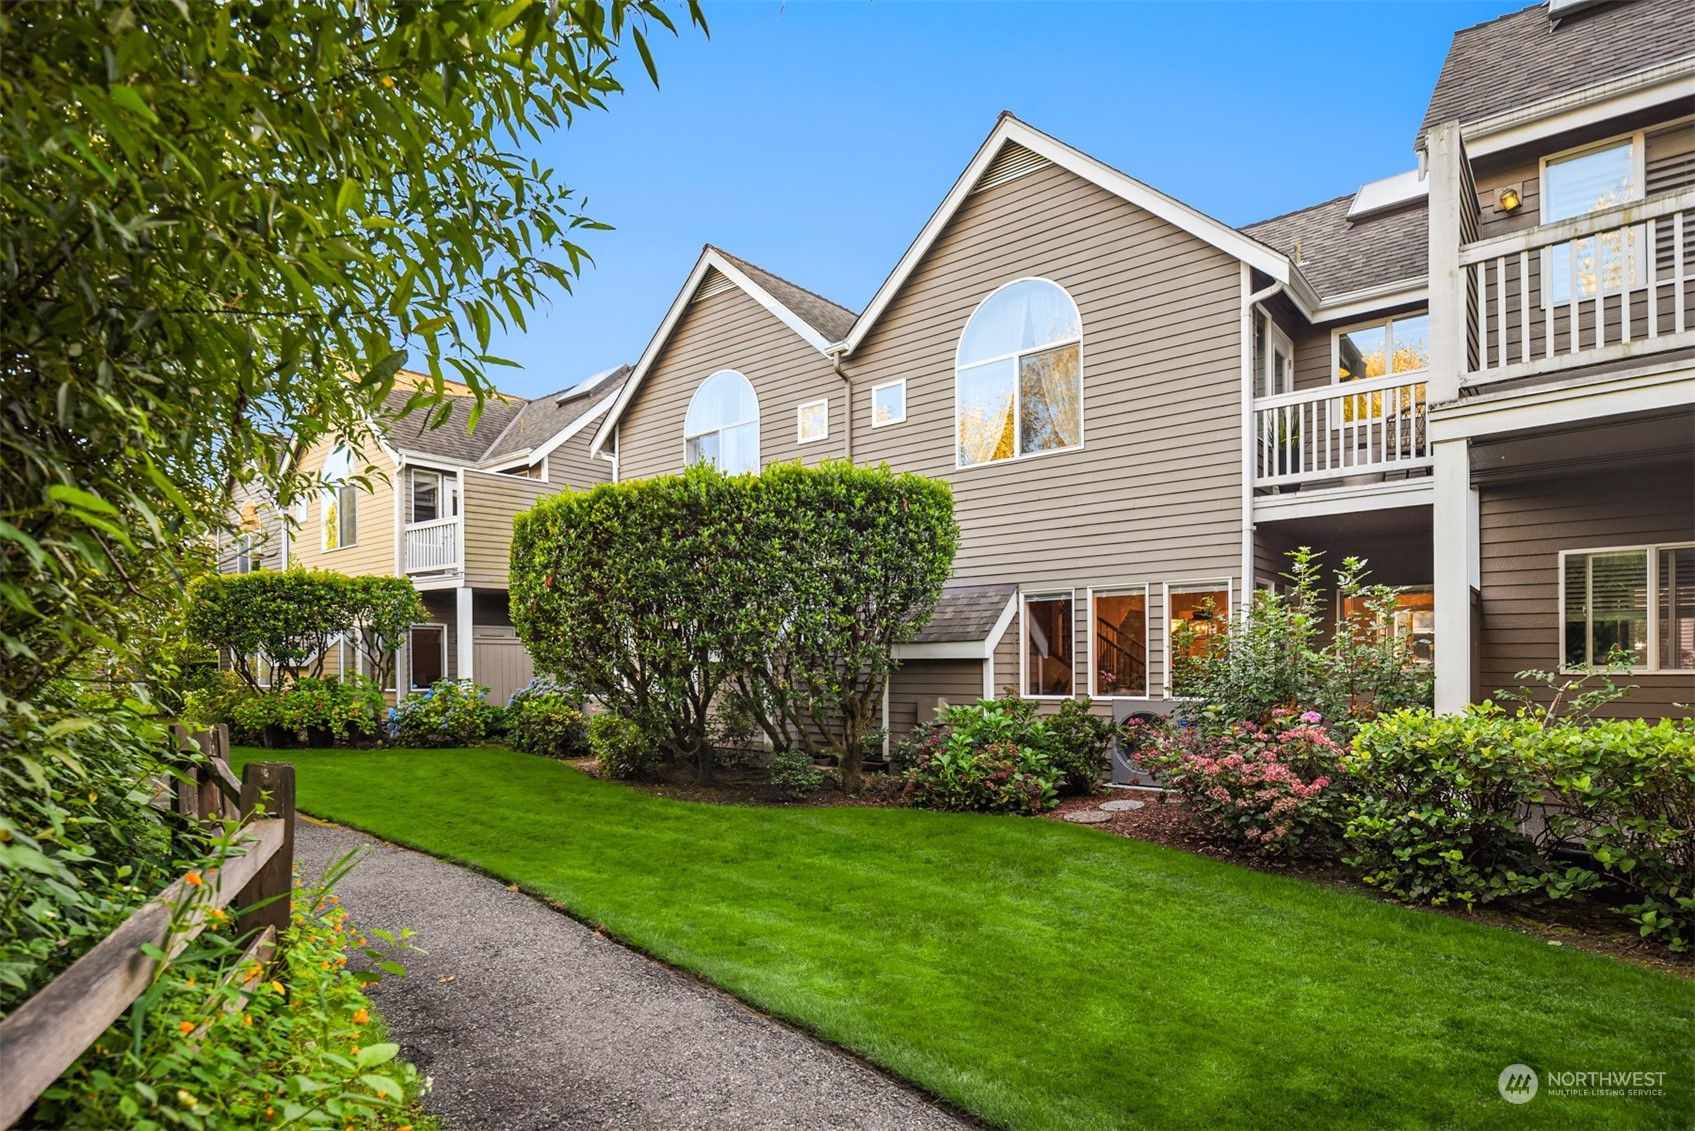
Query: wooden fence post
{"x": 272, "y": 783}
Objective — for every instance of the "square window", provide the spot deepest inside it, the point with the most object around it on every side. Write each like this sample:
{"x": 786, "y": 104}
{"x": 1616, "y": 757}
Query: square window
{"x": 812, "y": 421}
{"x": 888, "y": 403}
{"x": 1049, "y": 658}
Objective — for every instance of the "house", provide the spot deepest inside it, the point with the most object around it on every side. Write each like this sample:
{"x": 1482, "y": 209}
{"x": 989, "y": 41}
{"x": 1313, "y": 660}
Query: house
{"x": 1479, "y": 375}
{"x": 438, "y": 510}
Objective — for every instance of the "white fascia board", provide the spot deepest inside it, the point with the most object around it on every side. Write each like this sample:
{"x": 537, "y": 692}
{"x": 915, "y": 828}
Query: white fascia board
{"x": 1370, "y": 300}
{"x": 709, "y": 260}
{"x": 1650, "y": 389}
{"x": 573, "y": 428}
{"x": 1668, "y": 82}
{"x": 1172, "y": 211}
{"x": 407, "y": 458}
{"x": 1327, "y": 501}
{"x": 983, "y": 649}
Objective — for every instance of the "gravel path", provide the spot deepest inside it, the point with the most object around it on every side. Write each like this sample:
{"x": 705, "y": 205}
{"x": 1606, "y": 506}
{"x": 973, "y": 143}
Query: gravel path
{"x": 543, "y": 1024}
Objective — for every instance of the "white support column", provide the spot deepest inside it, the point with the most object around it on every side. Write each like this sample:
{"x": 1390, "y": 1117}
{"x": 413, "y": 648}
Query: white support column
{"x": 1456, "y": 573}
{"x": 464, "y": 633}
{"x": 1445, "y": 155}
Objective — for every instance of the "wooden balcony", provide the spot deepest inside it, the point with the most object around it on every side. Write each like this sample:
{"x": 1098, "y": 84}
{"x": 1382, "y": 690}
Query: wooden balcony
{"x": 1598, "y": 289}
{"x": 1336, "y": 434}
{"x": 433, "y": 547}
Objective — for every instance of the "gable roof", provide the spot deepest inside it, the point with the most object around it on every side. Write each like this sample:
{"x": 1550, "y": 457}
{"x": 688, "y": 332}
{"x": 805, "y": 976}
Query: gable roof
{"x": 553, "y": 416}
{"x": 966, "y": 613}
{"x": 1009, "y": 131}
{"x": 1554, "y": 55}
{"x": 1339, "y": 256}
{"x": 509, "y": 428}
{"x": 817, "y": 321}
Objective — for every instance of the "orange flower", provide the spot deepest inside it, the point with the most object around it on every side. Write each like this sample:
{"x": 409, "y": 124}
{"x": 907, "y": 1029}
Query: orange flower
{"x": 186, "y": 1026}
{"x": 360, "y": 1016}
{"x": 247, "y": 1021}
{"x": 270, "y": 1113}
{"x": 278, "y": 987}
{"x": 193, "y": 878}
{"x": 355, "y": 1050}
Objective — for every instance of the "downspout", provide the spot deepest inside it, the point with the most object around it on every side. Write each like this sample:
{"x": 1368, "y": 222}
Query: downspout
{"x": 1249, "y": 302}
{"x": 847, "y": 382}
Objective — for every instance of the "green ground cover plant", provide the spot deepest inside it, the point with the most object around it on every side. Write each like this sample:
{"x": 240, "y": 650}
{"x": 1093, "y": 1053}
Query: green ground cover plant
{"x": 1040, "y": 975}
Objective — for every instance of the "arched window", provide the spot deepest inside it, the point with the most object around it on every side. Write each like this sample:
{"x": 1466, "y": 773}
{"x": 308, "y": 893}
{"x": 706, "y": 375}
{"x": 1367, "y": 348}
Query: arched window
{"x": 1018, "y": 375}
{"x": 722, "y": 427}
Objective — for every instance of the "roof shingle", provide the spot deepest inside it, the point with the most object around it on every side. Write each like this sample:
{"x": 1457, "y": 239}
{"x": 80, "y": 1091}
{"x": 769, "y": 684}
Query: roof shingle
{"x": 547, "y": 416}
{"x": 1338, "y": 255}
{"x": 1525, "y": 57}
{"x": 830, "y": 319}
{"x": 966, "y": 614}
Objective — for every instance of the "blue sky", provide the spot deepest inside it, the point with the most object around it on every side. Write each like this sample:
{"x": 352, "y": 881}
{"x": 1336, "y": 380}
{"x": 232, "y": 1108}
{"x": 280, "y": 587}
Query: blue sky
{"x": 815, "y": 139}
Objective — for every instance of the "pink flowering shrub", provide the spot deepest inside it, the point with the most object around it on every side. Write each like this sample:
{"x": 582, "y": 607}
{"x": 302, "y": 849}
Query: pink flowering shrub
{"x": 1271, "y": 789}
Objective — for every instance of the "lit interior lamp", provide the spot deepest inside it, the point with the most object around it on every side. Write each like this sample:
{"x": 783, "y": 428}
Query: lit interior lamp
{"x": 1509, "y": 200}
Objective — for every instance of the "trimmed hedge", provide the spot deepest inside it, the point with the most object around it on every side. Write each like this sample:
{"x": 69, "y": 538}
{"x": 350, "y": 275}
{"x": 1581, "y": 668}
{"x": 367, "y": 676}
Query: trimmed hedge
{"x": 688, "y": 603}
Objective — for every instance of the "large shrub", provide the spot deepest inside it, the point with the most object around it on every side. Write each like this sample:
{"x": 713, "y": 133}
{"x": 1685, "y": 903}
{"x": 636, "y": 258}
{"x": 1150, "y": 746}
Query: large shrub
{"x": 1079, "y": 745}
{"x": 992, "y": 756}
{"x": 1277, "y": 656}
{"x": 343, "y": 707}
{"x": 451, "y": 712}
{"x": 1435, "y": 805}
{"x": 543, "y": 718}
{"x": 1270, "y": 789}
{"x": 281, "y": 623}
{"x": 685, "y": 600}
{"x": 1624, "y": 790}
{"x": 620, "y": 747}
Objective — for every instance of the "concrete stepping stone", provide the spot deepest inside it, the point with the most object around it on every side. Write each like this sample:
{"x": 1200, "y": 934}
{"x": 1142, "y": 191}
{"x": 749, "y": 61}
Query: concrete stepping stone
{"x": 1088, "y": 817}
{"x": 1121, "y": 806}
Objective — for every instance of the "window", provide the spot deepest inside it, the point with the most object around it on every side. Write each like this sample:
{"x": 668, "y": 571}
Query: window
{"x": 338, "y": 502}
{"x": 722, "y": 427}
{"x": 1383, "y": 349}
{"x": 1120, "y": 642}
{"x": 1273, "y": 358}
{"x": 812, "y": 421}
{"x": 888, "y": 403}
{"x": 434, "y": 496}
{"x": 244, "y": 553}
{"x": 1577, "y": 184}
{"x": 1194, "y": 614}
{"x": 1048, "y": 654}
{"x": 426, "y": 649}
{"x": 1018, "y": 375}
{"x": 1413, "y": 620}
{"x": 1638, "y": 601}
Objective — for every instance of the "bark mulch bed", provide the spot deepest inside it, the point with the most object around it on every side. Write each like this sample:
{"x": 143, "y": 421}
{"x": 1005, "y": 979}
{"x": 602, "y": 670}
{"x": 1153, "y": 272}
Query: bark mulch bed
{"x": 1585, "y": 926}
{"x": 735, "y": 785}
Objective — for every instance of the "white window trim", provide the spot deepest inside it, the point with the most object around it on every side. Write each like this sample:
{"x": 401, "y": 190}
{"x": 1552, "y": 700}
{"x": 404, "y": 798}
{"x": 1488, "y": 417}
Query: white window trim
{"x": 1146, "y": 590}
{"x": 759, "y": 453}
{"x": 1274, "y": 337}
{"x": 1386, "y": 322}
{"x": 901, "y": 419}
{"x": 800, "y": 421}
{"x": 323, "y": 524}
{"x": 411, "y": 686}
{"x": 1652, "y": 551}
{"x": 1199, "y": 585}
{"x": 1082, "y": 414}
{"x": 1639, "y": 172}
{"x": 1024, "y": 600}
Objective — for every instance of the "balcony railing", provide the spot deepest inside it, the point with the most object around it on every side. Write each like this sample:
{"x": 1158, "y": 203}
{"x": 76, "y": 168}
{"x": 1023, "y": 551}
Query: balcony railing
{"x": 1340, "y": 431}
{"x": 432, "y": 546}
{"x": 1594, "y": 289}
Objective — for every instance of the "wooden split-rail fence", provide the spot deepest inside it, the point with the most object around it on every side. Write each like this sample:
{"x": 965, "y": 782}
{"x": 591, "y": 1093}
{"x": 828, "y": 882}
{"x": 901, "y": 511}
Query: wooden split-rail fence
{"x": 45, "y": 1035}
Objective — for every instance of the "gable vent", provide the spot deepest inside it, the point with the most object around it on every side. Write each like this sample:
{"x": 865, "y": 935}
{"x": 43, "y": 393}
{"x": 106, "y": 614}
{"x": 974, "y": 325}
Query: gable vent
{"x": 715, "y": 283}
{"x": 1012, "y": 162}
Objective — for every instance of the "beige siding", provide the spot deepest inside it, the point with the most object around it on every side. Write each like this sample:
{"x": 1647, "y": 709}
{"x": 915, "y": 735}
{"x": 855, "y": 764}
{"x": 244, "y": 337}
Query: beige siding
{"x": 263, "y": 530}
{"x": 1524, "y": 526}
{"x": 917, "y": 685}
{"x": 729, "y": 330}
{"x": 374, "y": 552}
{"x": 490, "y": 504}
{"x": 1156, "y": 490}
{"x": 570, "y": 465}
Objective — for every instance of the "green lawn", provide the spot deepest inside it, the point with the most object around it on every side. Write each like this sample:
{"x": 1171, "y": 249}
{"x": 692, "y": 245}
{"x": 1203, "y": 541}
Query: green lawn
{"x": 1043, "y": 975}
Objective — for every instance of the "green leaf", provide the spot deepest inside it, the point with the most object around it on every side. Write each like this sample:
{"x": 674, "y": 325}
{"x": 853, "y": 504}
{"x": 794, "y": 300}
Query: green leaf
{"x": 77, "y": 497}
{"x": 131, "y": 100}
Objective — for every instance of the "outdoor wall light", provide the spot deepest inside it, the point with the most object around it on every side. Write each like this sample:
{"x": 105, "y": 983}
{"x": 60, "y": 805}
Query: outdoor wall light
{"x": 1509, "y": 199}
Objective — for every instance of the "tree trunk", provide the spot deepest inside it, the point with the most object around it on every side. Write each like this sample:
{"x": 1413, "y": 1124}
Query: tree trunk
{"x": 852, "y": 779}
